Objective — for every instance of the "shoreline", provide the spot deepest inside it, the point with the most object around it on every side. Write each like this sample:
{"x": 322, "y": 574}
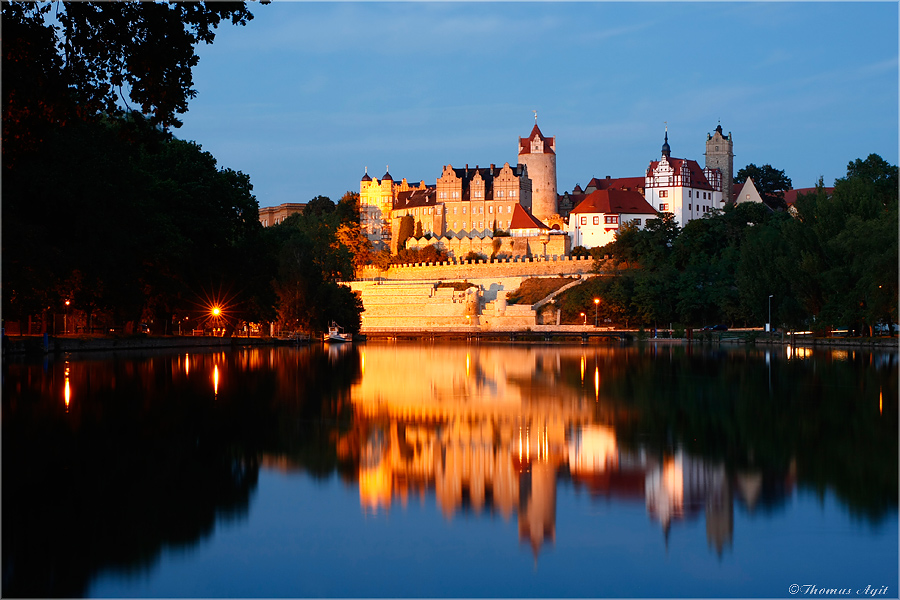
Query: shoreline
{"x": 39, "y": 345}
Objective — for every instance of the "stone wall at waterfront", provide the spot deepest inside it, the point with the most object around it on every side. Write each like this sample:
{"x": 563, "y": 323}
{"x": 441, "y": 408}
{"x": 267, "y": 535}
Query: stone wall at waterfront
{"x": 408, "y": 297}
{"x": 461, "y": 270}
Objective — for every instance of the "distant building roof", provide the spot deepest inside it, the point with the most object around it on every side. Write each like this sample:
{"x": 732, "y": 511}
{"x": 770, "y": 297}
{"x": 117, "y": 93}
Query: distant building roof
{"x": 613, "y": 201}
{"x": 525, "y": 143}
{"x": 790, "y": 196}
{"x": 522, "y": 219}
{"x": 415, "y": 198}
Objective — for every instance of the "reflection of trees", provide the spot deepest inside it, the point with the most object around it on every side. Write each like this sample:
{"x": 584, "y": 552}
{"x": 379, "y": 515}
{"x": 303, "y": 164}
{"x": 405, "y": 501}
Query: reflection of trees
{"x": 147, "y": 455}
{"x": 819, "y": 415}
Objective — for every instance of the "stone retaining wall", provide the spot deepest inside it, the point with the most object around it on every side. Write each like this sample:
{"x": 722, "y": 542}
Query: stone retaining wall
{"x": 460, "y": 270}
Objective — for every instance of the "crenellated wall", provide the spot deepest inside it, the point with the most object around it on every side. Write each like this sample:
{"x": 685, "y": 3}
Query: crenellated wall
{"x": 461, "y": 270}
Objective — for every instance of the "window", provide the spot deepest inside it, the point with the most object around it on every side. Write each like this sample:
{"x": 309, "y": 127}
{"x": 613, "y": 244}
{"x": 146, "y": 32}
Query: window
{"x": 464, "y": 210}
{"x": 637, "y": 222}
{"x": 596, "y": 220}
{"x": 689, "y": 193}
{"x": 480, "y": 210}
{"x": 663, "y": 207}
{"x": 664, "y": 193}
{"x": 478, "y": 193}
{"x": 689, "y": 206}
{"x": 454, "y": 195}
{"x": 454, "y": 212}
{"x": 442, "y": 194}
{"x": 584, "y": 220}
{"x": 454, "y": 225}
{"x": 611, "y": 220}
{"x": 509, "y": 209}
{"x": 480, "y": 224}
{"x": 512, "y": 194}
{"x": 490, "y": 210}
{"x": 499, "y": 193}
{"x": 464, "y": 224}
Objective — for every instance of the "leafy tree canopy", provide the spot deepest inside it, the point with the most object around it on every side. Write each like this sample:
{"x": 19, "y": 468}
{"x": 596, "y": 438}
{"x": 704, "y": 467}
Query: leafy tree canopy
{"x": 771, "y": 183}
{"x": 79, "y": 60}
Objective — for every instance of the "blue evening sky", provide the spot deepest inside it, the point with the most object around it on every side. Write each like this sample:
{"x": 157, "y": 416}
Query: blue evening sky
{"x": 308, "y": 95}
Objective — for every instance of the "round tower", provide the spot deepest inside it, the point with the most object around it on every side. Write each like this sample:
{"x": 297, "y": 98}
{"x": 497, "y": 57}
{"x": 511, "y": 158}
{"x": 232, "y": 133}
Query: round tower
{"x": 720, "y": 155}
{"x": 538, "y": 154}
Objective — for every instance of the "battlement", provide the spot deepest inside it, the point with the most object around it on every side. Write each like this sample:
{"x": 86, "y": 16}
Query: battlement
{"x": 481, "y": 269}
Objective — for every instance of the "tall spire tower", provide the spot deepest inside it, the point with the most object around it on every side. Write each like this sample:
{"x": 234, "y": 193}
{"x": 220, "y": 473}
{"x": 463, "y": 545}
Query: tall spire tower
{"x": 538, "y": 154}
{"x": 720, "y": 155}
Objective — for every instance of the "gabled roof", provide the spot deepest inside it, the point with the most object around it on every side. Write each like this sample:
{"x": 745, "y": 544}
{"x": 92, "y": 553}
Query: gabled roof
{"x": 614, "y": 201}
{"x": 698, "y": 179}
{"x": 522, "y": 219}
{"x": 525, "y": 143}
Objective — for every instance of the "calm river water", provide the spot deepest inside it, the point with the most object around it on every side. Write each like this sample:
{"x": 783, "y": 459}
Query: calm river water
{"x": 452, "y": 470}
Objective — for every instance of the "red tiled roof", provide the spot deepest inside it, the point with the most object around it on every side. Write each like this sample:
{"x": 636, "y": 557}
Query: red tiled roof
{"x": 614, "y": 201}
{"x": 736, "y": 190}
{"x": 790, "y": 196}
{"x": 415, "y": 197}
{"x": 698, "y": 179}
{"x": 621, "y": 183}
{"x": 525, "y": 143}
{"x": 522, "y": 219}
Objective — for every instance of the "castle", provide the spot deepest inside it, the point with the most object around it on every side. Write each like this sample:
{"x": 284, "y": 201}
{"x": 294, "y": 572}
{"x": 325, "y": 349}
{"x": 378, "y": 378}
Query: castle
{"x": 468, "y": 207}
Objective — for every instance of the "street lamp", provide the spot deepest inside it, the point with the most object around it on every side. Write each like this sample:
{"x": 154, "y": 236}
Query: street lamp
{"x": 66, "y": 319}
{"x": 769, "y": 324}
{"x": 596, "y": 306}
{"x": 583, "y": 316}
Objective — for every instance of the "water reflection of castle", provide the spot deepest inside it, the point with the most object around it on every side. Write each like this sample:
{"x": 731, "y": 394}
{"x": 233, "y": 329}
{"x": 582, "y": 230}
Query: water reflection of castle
{"x": 494, "y": 436}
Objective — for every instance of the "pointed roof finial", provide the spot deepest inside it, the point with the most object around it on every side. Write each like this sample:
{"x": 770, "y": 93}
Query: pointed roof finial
{"x": 535, "y": 116}
{"x": 666, "y": 151}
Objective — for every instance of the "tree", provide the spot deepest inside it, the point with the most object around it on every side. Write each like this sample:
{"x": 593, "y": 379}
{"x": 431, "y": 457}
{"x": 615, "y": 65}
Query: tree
{"x": 81, "y": 63}
{"x": 318, "y": 206}
{"x": 771, "y": 183}
{"x": 405, "y": 231}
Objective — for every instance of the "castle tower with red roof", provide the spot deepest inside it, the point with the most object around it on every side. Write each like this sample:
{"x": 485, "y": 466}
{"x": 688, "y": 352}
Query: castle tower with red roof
{"x": 538, "y": 153}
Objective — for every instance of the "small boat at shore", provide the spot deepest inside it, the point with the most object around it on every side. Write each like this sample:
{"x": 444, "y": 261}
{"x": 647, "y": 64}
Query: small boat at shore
{"x": 336, "y": 334}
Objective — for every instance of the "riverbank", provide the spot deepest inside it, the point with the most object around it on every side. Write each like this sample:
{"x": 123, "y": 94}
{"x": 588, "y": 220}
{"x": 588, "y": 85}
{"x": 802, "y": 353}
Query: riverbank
{"x": 38, "y": 344}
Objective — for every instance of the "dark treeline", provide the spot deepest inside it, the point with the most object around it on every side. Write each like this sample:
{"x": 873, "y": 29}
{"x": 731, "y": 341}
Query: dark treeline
{"x": 108, "y": 216}
{"x": 830, "y": 261}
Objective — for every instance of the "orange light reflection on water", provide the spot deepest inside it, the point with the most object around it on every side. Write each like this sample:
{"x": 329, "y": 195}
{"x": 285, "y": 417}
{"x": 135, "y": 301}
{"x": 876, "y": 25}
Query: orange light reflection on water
{"x": 68, "y": 392}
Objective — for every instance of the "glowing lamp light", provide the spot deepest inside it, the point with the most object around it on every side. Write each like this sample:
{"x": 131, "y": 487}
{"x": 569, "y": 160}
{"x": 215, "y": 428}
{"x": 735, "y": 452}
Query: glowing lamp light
{"x": 215, "y": 311}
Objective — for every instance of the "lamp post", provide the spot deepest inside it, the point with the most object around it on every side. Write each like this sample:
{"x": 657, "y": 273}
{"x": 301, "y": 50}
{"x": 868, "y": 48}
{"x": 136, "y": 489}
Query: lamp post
{"x": 769, "y": 324}
{"x": 66, "y": 319}
{"x": 583, "y": 316}
{"x": 596, "y": 306}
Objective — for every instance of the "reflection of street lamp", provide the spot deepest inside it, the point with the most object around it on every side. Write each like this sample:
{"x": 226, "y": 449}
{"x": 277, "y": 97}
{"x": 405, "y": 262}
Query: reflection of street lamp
{"x": 583, "y": 316}
{"x": 769, "y": 324}
{"x": 596, "y": 307}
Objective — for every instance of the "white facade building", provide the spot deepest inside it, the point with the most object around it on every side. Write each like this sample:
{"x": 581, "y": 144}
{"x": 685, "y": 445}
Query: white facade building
{"x": 680, "y": 187}
{"x": 597, "y": 218}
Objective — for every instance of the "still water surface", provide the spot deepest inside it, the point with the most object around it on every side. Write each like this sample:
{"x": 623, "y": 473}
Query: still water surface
{"x": 398, "y": 470}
